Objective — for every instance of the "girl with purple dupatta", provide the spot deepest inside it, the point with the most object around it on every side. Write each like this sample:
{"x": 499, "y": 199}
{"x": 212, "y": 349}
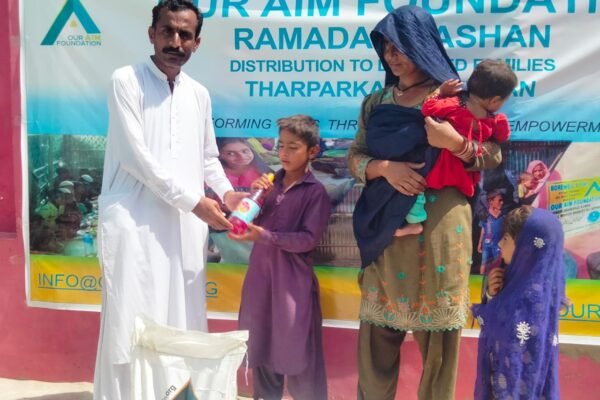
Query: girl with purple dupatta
{"x": 518, "y": 345}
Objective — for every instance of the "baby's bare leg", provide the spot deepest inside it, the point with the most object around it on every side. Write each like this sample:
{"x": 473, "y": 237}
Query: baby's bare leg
{"x": 409, "y": 229}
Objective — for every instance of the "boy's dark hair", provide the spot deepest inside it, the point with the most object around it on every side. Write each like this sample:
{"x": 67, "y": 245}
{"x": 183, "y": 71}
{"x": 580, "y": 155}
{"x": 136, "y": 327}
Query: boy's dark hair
{"x": 515, "y": 220}
{"x": 177, "y": 5}
{"x": 492, "y": 78}
{"x": 302, "y": 126}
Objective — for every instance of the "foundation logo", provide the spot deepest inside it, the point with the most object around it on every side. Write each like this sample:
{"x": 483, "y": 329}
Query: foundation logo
{"x": 72, "y": 9}
{"x": 595, "y": 187}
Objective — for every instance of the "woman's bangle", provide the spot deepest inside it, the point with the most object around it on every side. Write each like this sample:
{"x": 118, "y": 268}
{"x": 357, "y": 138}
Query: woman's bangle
{"x": 466, "y": 152}
{"x": 462, "y": 147}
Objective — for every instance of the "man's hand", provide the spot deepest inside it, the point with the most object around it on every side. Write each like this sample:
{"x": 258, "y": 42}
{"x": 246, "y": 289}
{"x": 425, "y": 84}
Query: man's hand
{"x": 495, "y": 281}
{"x": 231, "y": 199}
{"x": 251, "y": 235}
{"x": 209, "y": 211}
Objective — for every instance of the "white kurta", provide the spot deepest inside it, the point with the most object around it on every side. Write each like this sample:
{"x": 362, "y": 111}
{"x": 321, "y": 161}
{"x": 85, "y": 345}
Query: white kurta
{"x": 160, "y": 151}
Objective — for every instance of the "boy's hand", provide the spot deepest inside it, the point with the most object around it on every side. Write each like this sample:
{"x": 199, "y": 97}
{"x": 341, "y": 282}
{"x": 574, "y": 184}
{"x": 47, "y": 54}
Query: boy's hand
{"x": 451, "y": 87}
{"x": 262, "y": 182}
{"x": 251, "y": 235}
{"x": 495, "y": 281}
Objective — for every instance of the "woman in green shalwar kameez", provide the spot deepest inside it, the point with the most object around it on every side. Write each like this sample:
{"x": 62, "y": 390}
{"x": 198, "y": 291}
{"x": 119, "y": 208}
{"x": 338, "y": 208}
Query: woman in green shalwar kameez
{"x": 418, "y": 283}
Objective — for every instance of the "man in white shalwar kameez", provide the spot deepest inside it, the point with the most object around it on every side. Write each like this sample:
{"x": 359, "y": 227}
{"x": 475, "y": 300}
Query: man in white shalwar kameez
{"x": 160, "y": 152}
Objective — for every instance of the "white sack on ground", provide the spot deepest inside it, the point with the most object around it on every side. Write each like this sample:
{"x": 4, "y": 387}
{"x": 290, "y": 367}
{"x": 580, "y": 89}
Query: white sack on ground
{"x": 165, "y": 360}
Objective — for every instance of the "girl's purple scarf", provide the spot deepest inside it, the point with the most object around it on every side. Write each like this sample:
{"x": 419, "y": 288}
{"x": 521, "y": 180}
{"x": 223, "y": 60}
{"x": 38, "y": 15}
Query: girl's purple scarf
{"x": 518, "y": 345}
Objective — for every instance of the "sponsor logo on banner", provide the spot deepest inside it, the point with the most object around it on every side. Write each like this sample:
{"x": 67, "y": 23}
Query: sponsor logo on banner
{"x": 76, "y": 17}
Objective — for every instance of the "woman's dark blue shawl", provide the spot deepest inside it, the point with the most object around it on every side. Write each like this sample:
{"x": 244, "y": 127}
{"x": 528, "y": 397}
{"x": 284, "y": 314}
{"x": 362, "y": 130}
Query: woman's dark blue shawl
{"x": 413, "y": 31}
{"x": 397, "y": 133}
{"x": 518, "y": 344}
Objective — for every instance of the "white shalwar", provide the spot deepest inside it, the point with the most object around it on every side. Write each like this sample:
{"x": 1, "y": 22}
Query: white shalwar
{"x": 160, "y": 151}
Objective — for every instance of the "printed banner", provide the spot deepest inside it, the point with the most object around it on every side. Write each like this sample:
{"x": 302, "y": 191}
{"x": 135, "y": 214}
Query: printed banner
{"x": 70, "y": 280}
{"x": 265, "y": 59}
{"x": 65, "y": 280}
{"x": 576, "y": 203}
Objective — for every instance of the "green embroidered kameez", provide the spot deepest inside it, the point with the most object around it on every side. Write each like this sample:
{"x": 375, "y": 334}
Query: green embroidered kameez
{"x": 420, "y": 282}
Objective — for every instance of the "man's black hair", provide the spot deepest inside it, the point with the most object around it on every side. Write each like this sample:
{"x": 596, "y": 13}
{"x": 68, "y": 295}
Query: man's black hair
{"x": 177, "y": 5}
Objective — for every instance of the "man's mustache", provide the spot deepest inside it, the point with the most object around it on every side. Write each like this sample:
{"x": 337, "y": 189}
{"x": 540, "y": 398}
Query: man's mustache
{"x": 172, "y": 50}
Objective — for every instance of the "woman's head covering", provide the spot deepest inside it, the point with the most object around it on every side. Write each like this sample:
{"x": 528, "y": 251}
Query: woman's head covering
{"x": 540, "y": 183}
{"x": 534, "y": 163}
{"x": 414, "y": 32}
{"x": 518, "y": 345}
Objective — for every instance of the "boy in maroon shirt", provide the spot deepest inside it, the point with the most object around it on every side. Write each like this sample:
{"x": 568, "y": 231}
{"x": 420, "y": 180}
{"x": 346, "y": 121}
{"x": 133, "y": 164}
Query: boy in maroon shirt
{"x": 280, "y": 303}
